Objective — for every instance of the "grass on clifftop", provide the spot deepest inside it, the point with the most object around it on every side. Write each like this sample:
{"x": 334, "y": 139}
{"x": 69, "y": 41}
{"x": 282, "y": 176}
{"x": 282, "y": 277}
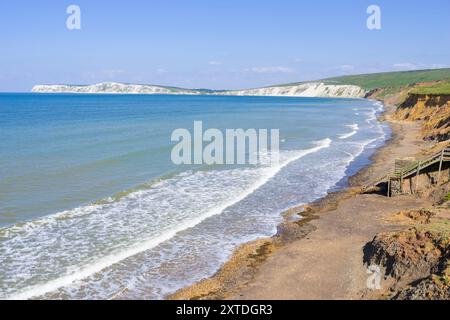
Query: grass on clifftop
{"x": 438, "y": 88}
{"x": 394, "y": 80}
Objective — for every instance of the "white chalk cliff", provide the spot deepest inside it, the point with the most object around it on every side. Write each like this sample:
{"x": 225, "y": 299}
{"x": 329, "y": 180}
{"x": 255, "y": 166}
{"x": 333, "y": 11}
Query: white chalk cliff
{"x": 111, "y": 87}
{"x": 310, "y": 89}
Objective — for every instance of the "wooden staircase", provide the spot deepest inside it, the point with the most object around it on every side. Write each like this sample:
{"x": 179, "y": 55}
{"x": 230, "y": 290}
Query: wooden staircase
{"x": 412, "y": 170}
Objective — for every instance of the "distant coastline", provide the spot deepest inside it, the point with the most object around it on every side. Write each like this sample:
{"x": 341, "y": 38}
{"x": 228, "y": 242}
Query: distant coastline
{"x": 310, "y": 89}
{"x": 375, "y": 85}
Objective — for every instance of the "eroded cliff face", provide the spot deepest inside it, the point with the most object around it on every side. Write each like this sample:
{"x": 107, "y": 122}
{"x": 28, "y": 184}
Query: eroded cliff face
{"x": 433, "y": 110}
{"x": 416, "y": 261}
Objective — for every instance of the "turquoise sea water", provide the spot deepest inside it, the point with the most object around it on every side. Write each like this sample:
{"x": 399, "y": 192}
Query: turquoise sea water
{"x": 91, "y": 205}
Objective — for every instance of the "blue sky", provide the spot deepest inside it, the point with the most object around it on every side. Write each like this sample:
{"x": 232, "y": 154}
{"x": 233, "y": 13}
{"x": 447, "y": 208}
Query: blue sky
{"x": 216, "y": 43}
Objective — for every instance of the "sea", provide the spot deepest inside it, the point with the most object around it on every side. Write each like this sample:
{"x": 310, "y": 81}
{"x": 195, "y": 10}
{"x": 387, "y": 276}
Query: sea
{"x": 93, "y": 207}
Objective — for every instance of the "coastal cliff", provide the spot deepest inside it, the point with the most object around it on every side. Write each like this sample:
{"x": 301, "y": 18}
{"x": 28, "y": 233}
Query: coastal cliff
{"x": 432, "y": 109}
{"x": 311, "y": 89}
{"x": 373, "y": 86}
{"x": 416, "y": 260}
{"x": 112, "y": 88}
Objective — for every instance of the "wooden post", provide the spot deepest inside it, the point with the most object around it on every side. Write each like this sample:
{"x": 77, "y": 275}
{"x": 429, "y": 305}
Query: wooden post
{"x": 417, "y": 178}
{"x": 389, "y": 188}
{"x": 401, "y": 182}
{"x": 440, "y": 166}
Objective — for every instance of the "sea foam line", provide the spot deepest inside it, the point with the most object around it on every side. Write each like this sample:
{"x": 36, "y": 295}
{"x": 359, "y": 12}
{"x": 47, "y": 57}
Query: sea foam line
{"x": 355, "y": 129}
{"x": 88, "y": 270}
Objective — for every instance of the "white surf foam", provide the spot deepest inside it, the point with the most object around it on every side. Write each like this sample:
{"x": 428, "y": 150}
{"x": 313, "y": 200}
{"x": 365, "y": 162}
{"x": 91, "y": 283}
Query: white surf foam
{"x": 70, "y": 244}
{"x": 355, "y": 129}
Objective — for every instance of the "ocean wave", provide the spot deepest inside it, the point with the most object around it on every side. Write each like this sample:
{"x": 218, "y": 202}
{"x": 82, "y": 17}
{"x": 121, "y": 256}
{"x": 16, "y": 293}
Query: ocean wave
{"x": 355, "y": 129}
{"x": 41, "y": 256}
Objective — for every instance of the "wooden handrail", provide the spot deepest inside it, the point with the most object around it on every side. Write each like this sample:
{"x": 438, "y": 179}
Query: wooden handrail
{"x": 405, "y": 172}
{"x": 441, "y": 156}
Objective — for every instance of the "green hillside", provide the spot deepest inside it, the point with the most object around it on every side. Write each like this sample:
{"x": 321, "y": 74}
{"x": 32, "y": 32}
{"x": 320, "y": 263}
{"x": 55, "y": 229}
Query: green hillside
{"x": 393, "y": 80}
{"x": 438, "y": 88}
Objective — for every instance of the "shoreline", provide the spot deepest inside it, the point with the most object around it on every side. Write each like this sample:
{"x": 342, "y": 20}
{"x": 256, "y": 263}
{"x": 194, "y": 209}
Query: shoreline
{"x": 126, "y": 252}
{"x": 242, "y": 277}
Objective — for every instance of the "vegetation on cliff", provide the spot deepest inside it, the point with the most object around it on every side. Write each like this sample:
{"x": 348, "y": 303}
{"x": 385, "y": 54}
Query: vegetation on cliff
{"x": 438, "y": 88}
{"x": 393, "y": 84}
{"x": 395, "y": 81}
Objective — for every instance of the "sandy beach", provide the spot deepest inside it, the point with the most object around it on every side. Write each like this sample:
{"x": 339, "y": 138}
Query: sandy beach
{"x": 321, "y": 256}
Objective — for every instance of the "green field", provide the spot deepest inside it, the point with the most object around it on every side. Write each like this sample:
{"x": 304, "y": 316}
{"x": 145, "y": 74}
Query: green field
{"x": 393, "y": 80}
{"x": 439, "y": 88}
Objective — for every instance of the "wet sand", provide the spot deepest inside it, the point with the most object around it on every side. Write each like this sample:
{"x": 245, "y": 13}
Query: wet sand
{"x": 321, "y": 255}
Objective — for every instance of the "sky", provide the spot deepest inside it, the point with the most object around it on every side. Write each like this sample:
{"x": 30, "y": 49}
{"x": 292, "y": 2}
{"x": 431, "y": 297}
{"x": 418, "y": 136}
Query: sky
{"x": 216, "y": 44}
